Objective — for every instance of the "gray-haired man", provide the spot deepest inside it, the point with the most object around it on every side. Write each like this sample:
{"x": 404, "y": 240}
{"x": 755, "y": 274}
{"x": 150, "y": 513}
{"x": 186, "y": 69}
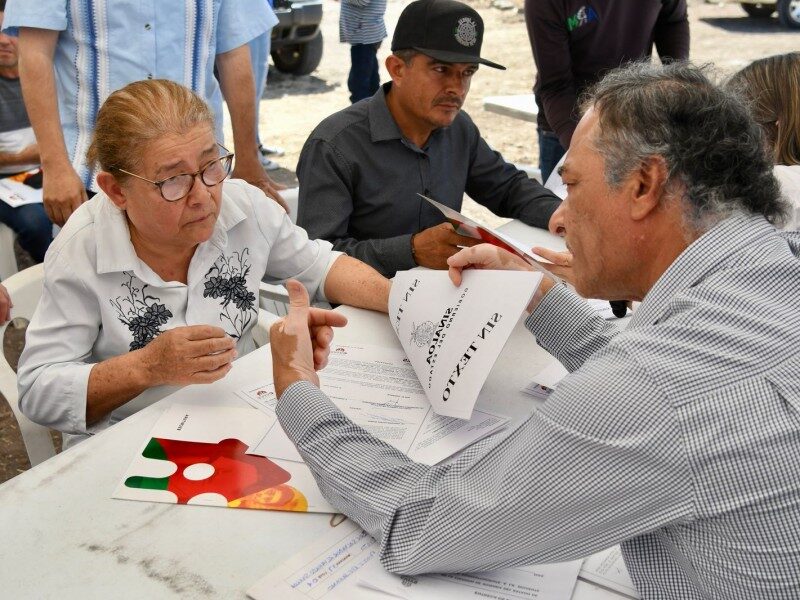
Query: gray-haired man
{"x": 679, "y": 437}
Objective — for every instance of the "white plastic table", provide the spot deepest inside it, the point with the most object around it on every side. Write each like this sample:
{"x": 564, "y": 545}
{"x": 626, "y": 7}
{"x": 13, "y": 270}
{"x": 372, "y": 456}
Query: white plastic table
{"x": 518, "y": 106}
{"x": 63, "y": 536}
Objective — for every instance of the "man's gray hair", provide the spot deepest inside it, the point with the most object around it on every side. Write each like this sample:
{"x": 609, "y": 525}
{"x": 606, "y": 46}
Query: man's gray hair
{"x": 711, "y": 145}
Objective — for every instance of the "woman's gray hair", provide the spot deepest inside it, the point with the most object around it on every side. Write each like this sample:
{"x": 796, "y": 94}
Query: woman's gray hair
{"x": 135, "y": 115}
{"x": 711, "y": 145}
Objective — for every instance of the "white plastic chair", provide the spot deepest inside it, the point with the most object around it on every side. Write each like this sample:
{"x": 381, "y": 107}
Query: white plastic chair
{"x": 25, "y": 289}
{"x": 8, "y": 260}
{"x": 274, "y": 298}
{"x": 261, "y": 329}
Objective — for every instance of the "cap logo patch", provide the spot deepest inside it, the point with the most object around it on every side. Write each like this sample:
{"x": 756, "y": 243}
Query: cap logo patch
{"x": 466, "y": 31}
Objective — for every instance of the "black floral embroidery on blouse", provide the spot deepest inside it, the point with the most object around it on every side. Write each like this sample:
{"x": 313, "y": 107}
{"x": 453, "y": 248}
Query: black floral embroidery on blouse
{"x": 141, "y": 313}
{"x": 227, "y": 282}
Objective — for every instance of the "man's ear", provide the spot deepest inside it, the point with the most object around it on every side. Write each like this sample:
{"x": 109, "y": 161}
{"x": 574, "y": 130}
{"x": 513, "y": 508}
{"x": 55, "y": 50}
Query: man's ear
{"x": 396, "y": 67}
{"x": 649, "y": 183}
{"x": 109, "y": 184}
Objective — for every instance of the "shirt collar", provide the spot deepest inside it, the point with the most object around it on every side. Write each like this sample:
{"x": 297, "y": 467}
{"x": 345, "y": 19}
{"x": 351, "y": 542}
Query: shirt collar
{"x": 703, "y": 256}
{"x": 115, "y": 252}
{"x": 382, "y": 125}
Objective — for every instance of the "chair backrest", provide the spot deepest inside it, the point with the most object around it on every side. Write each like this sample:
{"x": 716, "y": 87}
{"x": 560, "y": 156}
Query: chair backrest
{"x": 261, "y": 328}
{"x": 8, "y": 260}
{"x": 25, "y": 289}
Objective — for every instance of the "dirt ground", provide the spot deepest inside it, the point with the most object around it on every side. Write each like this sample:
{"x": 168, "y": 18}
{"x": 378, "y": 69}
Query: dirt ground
{"x": 292, "y": 106}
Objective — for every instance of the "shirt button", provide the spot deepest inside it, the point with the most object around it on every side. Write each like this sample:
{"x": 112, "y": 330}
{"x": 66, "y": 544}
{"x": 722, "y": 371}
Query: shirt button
{"x": 148, "y": 26}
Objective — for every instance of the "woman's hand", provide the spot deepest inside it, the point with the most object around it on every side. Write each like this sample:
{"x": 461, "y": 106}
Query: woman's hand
{"x": 191, "y": 354}
{"x": 484, "y": 256}
{"x": 301, "y": 341}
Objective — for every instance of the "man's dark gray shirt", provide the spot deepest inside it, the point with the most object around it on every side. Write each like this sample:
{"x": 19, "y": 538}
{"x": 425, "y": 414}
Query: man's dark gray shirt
{"x": 359, "y": 179}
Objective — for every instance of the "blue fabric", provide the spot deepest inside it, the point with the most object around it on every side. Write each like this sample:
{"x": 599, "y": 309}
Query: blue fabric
{"x": 364, "y": 79}
{"x": 259, "y": 58}
{"x": 105, "y": 44}
{"x": 550, "y": 152}
{"x": 31, "y": 224}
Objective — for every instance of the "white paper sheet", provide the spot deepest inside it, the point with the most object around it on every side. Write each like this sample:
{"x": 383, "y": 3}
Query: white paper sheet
{"x": 453, "y": 335}
{"x": 535, "y": 582}
{"x": 608, "y": 569}
{"x": 550, "y": 375}
{"x": 16, "y": 194}
{"x": 327, "y": 569}
{"x": 538, "y": 391}
{"x": 377, "y": 388}
{"x": 343, "y": 565}
{"x": 554, "y": 182}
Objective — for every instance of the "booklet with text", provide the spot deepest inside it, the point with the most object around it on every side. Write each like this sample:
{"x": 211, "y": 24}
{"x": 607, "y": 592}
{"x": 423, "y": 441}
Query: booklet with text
{"x": 466, "y": 226}
{"x": 198, "y": 455}
{"x": 453, "y": 335}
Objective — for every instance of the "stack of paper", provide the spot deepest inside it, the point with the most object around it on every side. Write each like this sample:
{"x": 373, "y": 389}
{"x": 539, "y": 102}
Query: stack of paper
{"x": 344, "y": 565}
{"x": 377, "y": 388}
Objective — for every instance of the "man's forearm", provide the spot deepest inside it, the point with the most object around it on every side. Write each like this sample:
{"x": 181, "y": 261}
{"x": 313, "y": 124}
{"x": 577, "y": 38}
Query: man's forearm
{"x": 387, "y": 256}
{"x": 26, "y": 156}
{"x": 672, "y": 41}
{"x": 37, "y": 76}
{"x": 456, "y": 517}
{"x": 566, "y": 326}
{"x": 238, "y": 88}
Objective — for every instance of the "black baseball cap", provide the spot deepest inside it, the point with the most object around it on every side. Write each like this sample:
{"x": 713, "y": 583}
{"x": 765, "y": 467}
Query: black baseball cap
{"x": 446, "y": 30}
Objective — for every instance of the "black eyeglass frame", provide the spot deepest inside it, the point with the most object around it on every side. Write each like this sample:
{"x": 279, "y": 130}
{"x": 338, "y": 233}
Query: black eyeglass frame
{"x": 228, "y": 156}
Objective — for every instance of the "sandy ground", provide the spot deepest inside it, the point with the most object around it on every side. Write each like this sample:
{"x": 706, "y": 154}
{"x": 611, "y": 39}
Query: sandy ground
{"x": 292, "y": 106}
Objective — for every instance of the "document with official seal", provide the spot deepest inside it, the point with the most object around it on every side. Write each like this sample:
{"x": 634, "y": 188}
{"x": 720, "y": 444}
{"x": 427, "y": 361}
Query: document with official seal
{"x": 453, "y": 335}
{"x": 377, "y": 388}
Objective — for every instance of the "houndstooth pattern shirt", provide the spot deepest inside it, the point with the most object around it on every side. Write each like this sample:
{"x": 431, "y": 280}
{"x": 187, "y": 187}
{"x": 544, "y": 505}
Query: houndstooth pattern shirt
{"x": 678, "y": 438}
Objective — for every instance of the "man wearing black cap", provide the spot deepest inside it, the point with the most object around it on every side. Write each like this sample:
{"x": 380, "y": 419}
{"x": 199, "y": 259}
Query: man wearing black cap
{"x": 361, "y": 169}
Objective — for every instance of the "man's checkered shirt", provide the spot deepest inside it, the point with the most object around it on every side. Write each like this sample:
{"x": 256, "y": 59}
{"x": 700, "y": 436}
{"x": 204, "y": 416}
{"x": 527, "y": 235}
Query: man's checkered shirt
{"x": 678, "y": 438}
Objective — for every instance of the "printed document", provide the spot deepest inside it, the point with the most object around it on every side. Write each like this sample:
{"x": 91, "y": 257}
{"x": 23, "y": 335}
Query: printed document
{"x": 17, "y": 194}
{"x": 198, "y": 455}
{"x": 533, "y": 582}
{"x": 377, "y": 388}
{"x": 453, "y": 335}
{"x": 344, "y": 565}
{"x": 327, "y": 569}
{"x": 608, "y": 569}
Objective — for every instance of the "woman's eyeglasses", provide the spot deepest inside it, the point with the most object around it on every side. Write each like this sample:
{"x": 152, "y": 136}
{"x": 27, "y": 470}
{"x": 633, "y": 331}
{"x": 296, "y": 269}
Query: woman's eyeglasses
{"x": 178, "y": 187}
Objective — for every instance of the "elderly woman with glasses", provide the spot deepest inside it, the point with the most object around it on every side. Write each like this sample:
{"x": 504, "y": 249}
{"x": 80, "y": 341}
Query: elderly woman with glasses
{"x": 154, "y": 282}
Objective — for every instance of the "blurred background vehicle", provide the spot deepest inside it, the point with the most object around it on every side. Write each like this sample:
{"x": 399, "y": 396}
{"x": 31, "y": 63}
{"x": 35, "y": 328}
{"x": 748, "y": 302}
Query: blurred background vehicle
{"x": 297, "y": 39}
{"x": 788, "y": 10}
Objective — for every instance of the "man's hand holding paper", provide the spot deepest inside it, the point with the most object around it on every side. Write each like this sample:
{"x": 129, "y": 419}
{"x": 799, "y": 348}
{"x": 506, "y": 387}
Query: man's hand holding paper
{"x": 490, "y": 257}
{"x": 433, "y": 246}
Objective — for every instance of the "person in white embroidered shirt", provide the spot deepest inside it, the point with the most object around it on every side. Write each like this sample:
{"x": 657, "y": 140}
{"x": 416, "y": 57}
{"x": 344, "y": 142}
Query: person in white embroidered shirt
{"x": 677, "y": 438}
{"x": 154, "y": 282}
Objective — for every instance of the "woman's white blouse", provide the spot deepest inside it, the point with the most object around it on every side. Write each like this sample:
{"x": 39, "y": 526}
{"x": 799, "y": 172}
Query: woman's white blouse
{"x": 100, "y": 300}
{"x": 789, "y": 178}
